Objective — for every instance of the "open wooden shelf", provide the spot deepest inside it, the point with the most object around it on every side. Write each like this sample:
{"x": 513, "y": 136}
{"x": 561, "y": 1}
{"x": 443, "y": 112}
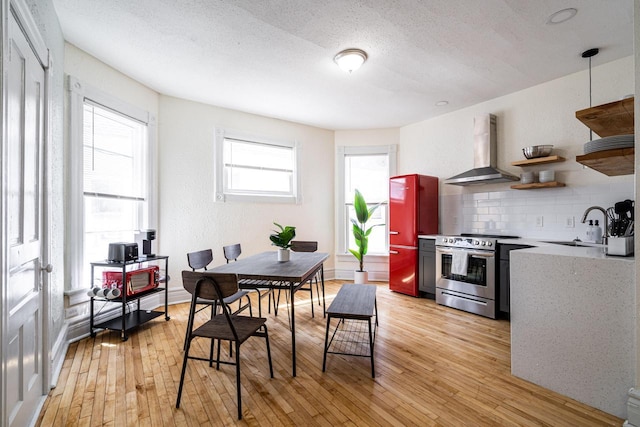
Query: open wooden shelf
{"x": 537, "y": 185}
{"x": 610, "y": 162}
{"x": 538, "y": 161}
{"x": 614, "y": 118}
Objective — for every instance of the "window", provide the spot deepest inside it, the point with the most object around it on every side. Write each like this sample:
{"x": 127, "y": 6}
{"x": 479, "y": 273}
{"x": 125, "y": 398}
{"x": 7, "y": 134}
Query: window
{"x": 112, "y": 175}
{"x": 367, "y": 169}
{"x": 255, "y": 169}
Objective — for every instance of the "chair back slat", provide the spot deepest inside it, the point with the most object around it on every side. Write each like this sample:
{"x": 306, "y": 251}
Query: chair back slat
{"x": 304, "y": 246}
{"x": 200, "y": 259}
{"x": 232, "y": 252}
{"x": 210, "y": 283}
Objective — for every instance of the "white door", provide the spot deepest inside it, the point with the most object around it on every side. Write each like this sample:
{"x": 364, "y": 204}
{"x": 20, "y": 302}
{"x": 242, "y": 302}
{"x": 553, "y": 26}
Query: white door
{"x": 25, "y": 112}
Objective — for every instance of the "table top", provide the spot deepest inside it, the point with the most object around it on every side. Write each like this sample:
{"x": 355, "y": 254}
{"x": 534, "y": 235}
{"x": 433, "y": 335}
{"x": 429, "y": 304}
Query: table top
{"x": 354, "y": 301}
{"x": 265, "y": 266}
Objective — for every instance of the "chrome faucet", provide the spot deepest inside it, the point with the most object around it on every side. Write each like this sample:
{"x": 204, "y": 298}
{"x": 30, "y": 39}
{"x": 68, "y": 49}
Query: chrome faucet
{"x": 605, "y": 237}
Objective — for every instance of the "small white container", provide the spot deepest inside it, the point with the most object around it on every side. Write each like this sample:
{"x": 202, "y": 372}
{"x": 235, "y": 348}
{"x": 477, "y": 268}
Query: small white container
{"x": 527, "y": 177}
{"x": 547, "y": 176}
{"x": 621, "y": 246}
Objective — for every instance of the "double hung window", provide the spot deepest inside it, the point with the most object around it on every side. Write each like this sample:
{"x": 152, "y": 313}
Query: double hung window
{"x": 367, "y": 169}
{"x": 255, "y": 169}
{"x": 112, "y": 171}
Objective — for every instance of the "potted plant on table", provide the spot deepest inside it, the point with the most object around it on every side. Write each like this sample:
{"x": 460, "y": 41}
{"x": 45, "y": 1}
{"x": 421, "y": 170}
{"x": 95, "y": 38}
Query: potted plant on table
{"x": 361, "y": 234}
{"x": 282, "y": 239}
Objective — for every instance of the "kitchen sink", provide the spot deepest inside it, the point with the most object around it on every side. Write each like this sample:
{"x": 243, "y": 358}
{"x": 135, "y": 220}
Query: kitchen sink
{"x": 572, "y": 243}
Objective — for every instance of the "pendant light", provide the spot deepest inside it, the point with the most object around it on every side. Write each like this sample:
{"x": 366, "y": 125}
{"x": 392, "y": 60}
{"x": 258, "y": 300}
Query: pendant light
{"x": 589, "y": 54}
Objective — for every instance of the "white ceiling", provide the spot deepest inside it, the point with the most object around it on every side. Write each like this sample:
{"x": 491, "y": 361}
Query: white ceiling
{"x": 275, "y": 57}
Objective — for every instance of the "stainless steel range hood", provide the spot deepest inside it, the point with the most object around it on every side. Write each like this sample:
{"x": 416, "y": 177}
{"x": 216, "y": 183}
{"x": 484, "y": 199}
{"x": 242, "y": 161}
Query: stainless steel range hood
{"x": 484, "y": 156}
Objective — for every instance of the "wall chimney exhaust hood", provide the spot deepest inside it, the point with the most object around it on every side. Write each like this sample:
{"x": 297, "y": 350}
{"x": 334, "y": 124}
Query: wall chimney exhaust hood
{"x": 484, "y": 156}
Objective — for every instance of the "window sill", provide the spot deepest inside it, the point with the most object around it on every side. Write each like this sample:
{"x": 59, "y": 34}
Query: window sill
{"x": 372, "y": 258}
{"x": 252, "y": 198}
{"x": 76, "y": 296}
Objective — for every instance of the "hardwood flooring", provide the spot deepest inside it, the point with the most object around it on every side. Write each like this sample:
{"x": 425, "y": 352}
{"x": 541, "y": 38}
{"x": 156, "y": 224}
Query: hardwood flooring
{"x": 434, "y": 366}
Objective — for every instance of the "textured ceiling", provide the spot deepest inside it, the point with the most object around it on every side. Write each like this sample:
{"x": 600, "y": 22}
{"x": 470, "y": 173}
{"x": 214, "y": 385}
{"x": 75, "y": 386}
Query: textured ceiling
{"x": 275, "y": 57}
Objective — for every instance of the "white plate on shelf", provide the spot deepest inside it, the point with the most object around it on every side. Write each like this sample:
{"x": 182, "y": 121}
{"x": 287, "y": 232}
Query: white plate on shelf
{"x": 609, "y": 143}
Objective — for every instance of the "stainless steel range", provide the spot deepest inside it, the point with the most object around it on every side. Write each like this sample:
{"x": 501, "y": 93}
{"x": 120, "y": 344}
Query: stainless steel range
{"x": 466, "y": 272}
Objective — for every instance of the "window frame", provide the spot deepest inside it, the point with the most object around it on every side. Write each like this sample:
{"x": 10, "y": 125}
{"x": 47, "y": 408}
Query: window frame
{"x": 78, "y": 93}
{"x": 343, "y": 227}
{"x": 222, "y": 195}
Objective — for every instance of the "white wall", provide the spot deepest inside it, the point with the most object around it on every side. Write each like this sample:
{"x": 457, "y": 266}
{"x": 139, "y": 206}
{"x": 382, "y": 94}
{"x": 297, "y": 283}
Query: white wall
{"x": 191, "y": 220}
{"x": 544, "y": 114}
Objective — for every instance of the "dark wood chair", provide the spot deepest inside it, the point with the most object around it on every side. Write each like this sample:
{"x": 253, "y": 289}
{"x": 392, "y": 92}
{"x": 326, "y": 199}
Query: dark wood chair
{"x": 261, "y": 287}
{"x": 227, "y": 326}
{"x": 200, "y": 260}
{"x": 311, "y": 246}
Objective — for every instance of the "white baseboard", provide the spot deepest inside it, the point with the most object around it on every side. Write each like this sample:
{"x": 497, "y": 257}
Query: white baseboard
{"x": 58, "y": 354}
{"x": 374, "y": 276}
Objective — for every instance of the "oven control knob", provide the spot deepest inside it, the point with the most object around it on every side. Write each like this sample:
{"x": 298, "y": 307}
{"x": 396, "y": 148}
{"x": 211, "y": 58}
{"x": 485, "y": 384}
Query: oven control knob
{"x": 489, "y": 244}
{"x": 484, "y": 243}
{"x": 475, "y": 242}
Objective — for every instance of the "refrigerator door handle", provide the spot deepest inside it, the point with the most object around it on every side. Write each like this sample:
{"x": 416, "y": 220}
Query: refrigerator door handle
{"x": 394, "y": 232}
{"x": 393, "y": 252}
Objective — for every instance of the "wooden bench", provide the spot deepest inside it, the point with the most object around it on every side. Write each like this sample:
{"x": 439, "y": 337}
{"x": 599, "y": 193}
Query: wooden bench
{"x": 354, "y": 302}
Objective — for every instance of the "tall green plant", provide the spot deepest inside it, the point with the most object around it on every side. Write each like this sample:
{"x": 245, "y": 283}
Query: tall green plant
{"x": 283, "y": 238}
{"x": 360, "y": 230}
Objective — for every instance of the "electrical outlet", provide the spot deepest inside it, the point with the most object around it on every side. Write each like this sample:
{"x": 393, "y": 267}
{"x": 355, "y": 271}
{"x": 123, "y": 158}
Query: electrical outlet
{"x": 570, "y": 222}
{"x": 539, "y": 221}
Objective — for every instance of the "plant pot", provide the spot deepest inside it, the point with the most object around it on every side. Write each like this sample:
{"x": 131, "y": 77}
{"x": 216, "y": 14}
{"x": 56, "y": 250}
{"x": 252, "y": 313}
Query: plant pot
{"x": 283, "y": 255}
{"x": 360, "y": 277}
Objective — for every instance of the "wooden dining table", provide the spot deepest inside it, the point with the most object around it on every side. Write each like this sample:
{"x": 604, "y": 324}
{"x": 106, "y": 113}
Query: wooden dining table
{"x": 289, "y": 275}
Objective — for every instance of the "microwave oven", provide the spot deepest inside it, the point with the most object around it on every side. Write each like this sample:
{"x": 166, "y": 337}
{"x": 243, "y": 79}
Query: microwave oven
{"x": 137, "y": 281}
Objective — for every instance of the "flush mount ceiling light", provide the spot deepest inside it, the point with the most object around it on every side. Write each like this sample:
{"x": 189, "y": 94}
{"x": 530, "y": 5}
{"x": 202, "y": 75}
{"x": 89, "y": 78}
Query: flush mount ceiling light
{"x": 562, "y": 16}
{"x": 350, "y": 59}
{"x": 441, "y": 103}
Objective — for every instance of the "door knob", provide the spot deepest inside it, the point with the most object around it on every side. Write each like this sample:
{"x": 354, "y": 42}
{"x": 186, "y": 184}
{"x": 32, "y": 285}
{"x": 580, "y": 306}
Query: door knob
{"x": 48, "y": 268}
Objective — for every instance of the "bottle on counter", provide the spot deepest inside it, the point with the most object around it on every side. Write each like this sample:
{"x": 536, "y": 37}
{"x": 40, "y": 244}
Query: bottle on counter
{"x": 590, "y": 232}
{"x": 597, "y": 233}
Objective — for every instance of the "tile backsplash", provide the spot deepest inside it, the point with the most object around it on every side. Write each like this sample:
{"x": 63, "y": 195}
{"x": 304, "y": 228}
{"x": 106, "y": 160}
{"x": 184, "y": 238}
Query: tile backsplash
{"x": 545, "y": 213}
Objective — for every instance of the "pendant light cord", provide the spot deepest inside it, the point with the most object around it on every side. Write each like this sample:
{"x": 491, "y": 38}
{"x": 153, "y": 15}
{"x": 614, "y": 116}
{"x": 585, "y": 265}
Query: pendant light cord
{"x": 589, "y": 54}
{"x": 590, "y": 101}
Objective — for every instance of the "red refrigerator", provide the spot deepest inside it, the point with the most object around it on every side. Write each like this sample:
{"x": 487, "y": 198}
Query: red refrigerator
{"x": 413, "y": 210}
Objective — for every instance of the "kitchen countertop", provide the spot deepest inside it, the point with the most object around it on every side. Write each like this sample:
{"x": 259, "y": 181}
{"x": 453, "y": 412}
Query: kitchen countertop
{"x": 594, "y": 250}
{"x": 427, "y": 236}
{"x": 573, "y": 322}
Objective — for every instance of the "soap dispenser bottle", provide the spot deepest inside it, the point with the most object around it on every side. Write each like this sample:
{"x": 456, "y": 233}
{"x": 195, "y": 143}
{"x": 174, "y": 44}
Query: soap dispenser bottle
{"x": 597, "y": 233}
{"x": 590, "y": 231}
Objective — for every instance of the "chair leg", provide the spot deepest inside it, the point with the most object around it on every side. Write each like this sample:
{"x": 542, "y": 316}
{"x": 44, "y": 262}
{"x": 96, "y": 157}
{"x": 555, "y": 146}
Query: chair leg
{"x": 238, "y": 391}
{"x": 266, "y": 337}
{"x": 250, "y": 309}
{"x": 311, "y": 297}
{"x": 218, "y": 356}
{"x": 184, "y": 369}
{"x": 211, "y": 353}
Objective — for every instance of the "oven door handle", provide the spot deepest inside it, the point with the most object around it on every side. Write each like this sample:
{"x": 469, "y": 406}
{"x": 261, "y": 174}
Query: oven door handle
{"x": 476, "y": 253}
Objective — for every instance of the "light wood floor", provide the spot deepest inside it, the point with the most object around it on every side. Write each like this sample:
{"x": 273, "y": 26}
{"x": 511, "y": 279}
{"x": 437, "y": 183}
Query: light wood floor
{"x": 434, "y": 366}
